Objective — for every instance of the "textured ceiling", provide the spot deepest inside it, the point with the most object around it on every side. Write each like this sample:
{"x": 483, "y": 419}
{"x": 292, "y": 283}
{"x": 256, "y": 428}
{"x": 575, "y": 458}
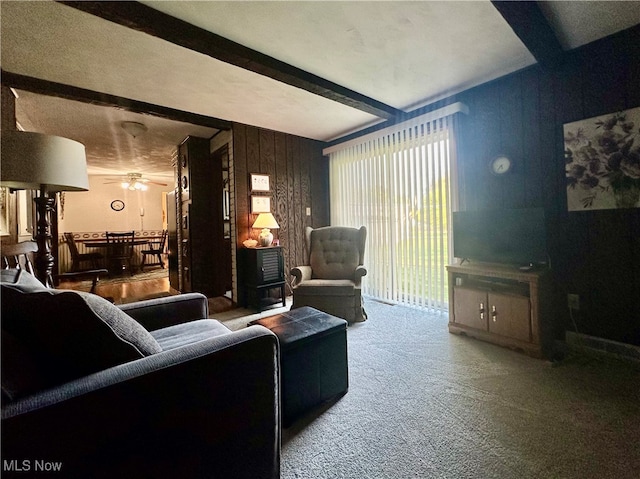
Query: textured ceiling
{"x": 404, "y": 54}
{"x": 110, "y": 150}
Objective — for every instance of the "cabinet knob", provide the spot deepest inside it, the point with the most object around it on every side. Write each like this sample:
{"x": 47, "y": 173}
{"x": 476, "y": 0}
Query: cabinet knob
{"x": 494, "y": 313}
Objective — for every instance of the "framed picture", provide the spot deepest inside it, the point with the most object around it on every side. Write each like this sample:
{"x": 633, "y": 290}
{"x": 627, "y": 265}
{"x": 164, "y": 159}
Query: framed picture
{"x": 260, "y": 204}
{"x": 259, "y": 182}
{"x": 601, "y": 161}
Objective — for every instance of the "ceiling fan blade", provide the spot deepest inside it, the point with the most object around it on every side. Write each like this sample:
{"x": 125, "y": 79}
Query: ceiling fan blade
{"x": 157, "y": 183}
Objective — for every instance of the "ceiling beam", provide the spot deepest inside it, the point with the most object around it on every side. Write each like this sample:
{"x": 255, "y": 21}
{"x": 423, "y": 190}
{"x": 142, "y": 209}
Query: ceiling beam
{"x": 532, "y": 28}
{"x": 68, "y": 92}
{"x": 145, "y": 19}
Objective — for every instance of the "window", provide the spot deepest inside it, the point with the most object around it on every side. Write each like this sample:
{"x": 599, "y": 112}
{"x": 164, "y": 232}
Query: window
{"x": 400, "y": 185}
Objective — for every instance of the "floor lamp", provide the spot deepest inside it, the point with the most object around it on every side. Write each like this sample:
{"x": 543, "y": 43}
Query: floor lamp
{"x": 49, "y": 164}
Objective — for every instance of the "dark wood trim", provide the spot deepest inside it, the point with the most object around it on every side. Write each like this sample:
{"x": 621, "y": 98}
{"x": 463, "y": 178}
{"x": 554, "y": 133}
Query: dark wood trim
{"x": 145, "y": 19}
{"x": 68, "y": 92}
{"x": 532, "y": 28}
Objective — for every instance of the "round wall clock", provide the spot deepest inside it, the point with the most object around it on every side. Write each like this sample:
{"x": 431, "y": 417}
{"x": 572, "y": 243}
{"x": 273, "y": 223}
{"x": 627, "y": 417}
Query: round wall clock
{"x": 500, "y": 165}
{"x": 117, "y": 205}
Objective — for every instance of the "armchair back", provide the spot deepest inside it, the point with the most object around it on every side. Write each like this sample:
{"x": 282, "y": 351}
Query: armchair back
{"x": 335, "y": 251}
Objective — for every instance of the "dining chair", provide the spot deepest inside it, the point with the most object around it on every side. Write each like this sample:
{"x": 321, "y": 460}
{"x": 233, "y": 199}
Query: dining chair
{"x": 21, "y": 256}
{"x": 120, "y": 252}
{"x": 78, "y": 258}
{"x": 156, "y": 248}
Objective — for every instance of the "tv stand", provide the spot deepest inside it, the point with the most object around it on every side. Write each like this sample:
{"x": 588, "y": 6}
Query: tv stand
{"x": 502, "y": 305}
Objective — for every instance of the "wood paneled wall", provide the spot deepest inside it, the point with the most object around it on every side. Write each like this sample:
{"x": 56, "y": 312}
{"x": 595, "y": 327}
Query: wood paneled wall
{"x": 595, "y": 254}
{"x": 299, "y": 178}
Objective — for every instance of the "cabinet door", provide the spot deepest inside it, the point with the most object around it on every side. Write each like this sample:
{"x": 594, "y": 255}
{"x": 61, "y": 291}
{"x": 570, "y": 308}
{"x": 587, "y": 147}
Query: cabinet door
{"x": 270, "y": 266}
{"x": 470, "y": 307}
{"x": 510, "y": 316}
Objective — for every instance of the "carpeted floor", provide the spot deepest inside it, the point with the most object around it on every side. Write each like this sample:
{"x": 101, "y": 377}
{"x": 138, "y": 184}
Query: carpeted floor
{"x": 423, "y": 403}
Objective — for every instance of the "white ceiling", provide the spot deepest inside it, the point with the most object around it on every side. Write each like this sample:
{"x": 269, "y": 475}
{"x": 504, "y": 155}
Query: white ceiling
{"x": 404, "y": 54}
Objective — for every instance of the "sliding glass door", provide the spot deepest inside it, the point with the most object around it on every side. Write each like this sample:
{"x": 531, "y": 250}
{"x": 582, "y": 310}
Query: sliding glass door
{"x": 400, "y": 185}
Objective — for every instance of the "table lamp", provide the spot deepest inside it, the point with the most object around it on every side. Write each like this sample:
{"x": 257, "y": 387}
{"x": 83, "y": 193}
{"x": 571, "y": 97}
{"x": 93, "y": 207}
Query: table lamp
{"x": 34, "y": 161}
{"x": 266, "y": 222}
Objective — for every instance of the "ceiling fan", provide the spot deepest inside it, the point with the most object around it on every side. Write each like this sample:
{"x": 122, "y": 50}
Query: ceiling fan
{"x": 133, "y": 182}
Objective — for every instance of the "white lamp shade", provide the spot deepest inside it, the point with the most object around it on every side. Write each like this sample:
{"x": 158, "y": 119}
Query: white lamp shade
{"x": 34, "y": 160}
{"x": 265, "y": 220}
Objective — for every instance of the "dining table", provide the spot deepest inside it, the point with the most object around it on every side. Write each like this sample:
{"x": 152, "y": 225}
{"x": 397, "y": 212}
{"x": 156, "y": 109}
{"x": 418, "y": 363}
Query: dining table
{"x": 102, "y": 243}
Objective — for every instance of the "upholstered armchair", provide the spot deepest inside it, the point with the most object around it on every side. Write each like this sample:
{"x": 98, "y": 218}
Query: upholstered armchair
{"x": 332, "y": 278}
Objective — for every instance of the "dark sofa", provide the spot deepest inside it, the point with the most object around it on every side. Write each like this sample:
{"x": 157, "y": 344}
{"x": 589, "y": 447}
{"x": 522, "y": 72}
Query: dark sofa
{"x": 196, "y": 400}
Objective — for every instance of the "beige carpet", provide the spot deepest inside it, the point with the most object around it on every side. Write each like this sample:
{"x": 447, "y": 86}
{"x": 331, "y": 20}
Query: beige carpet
{"x": 423, "y": 403}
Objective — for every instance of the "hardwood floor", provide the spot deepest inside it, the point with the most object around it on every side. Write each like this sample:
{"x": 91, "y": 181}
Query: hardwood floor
{"x": 130, "y": 291}
{"x": 137, "y": 290}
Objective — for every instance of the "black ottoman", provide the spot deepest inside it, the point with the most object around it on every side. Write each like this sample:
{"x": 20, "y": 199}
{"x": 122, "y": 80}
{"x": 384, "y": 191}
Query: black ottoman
{"x": 313, "y": 358}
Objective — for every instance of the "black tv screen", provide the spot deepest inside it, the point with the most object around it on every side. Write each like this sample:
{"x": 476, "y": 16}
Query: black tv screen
{"x": 510, "y": 236}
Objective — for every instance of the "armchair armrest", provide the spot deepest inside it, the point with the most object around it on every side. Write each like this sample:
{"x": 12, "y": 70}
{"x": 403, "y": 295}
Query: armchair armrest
{"x": 163, "y": 312}
{"x": 300, "y": 274}
{"x": 184, "y": 412}
{"x": 358, "y": 274}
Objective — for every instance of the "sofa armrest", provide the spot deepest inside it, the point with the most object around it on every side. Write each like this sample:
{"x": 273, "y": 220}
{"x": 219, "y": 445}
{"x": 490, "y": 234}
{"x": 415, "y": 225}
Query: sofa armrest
{"x": 211, "y": 407}
{"x": 163, "y": 312}
{"x": 300, "y": 274}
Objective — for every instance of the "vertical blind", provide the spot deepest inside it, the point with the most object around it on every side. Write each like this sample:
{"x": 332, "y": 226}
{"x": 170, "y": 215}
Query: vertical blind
{"x": 400, "y": 185}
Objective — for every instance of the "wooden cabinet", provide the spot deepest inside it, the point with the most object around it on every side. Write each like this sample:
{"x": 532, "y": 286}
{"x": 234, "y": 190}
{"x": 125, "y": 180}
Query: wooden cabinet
{"x": 263, "y": 270}
{"x": 200, "y": 229}
{"x": 172, "y": 240}
{"x": 502, "y": 305}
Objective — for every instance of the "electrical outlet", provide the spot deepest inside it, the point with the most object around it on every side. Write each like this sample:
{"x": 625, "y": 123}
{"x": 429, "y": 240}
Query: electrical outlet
{"x": 573, "y": 301}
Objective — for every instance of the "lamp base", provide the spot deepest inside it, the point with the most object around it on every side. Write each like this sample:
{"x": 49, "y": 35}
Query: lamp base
{"x": 44, "y": 261}
{"x": 265, "y": 237}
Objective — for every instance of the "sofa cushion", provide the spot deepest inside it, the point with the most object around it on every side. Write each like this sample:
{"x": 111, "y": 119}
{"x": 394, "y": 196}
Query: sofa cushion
{"x": 187, "y": 333}
{"x": 72, "y": 334}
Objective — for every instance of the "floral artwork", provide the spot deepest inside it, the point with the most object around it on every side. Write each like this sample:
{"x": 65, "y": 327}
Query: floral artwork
{"x": 602, "y": 160}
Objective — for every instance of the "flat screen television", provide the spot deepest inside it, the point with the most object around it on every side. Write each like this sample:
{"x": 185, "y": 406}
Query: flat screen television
{"x": 510, "y": 236}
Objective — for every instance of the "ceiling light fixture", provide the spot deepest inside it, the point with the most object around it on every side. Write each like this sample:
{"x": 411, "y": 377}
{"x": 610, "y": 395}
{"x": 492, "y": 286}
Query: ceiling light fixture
{"x": 134, "y": 183}
{"x": 134, "y": 128}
